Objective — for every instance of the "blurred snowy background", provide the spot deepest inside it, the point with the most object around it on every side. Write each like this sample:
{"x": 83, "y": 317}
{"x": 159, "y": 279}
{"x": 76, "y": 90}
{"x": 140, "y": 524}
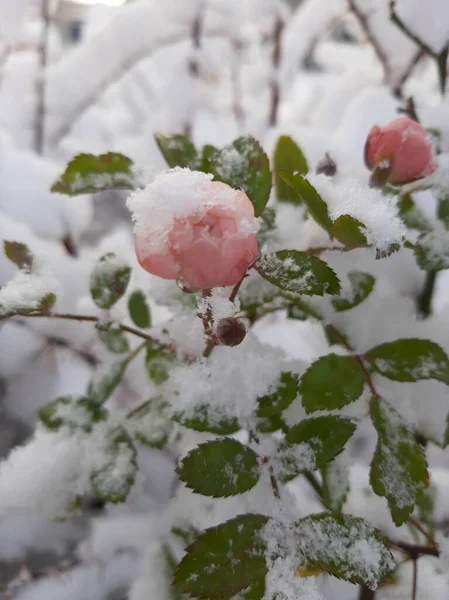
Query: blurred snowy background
{"x": 99, "y": 76}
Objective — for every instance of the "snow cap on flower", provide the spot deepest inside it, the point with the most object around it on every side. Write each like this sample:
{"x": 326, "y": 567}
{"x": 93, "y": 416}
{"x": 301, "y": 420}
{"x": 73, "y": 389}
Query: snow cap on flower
{"x": 402, "y": 149}
{"x": 194, "y": 230}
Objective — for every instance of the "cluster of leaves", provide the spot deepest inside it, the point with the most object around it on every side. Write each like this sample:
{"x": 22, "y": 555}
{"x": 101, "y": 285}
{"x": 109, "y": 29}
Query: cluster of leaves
{"x": 231, "y": 560}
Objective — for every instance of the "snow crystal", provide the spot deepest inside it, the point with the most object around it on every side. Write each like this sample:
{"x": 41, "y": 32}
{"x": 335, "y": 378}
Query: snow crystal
{"x": 218, "y": 304}
{"x": 229, "y": 383}
{"x": 377, "y": 212}
{"x": 177, "y": 194}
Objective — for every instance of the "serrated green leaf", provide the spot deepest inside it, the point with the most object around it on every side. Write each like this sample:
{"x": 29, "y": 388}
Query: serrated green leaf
{"x": 298, "y": 272}
{"x": 256, "y": 591}
{"x": 410, "y": 360}
{"x": 308, "y": 195}
{"x": 224, "y": 560}
{"x": 244, "y": 165}
{"x": 170, "y": 568}
{"x": 350, "y": 232}
{"x": 288, "y": 158}
{"x": 344, "y": 546}
{"x": 201, "y": 420}
{"x": 412, "y": 215}
{"x": 327, "y": 436}
{"x": 114, "y": 339}
{"x": 150, "y": 423}
{"x": 178, "y": 151}
{"x": 398, "y": 469}
{"x": 335, "y": 486}
{"x": 220, "y": 468}
{"x": 432, "y": 250}
{"x": 19, "y": 254}
{"x": 87, "y": 173}
{"x": 106, "y": 380}
{"x": 138, "y": 309}
{"x": 362, "y": 284}
{"x": 109, "y": 280}
{"x": 113, "y": 480}
{"x": 275, "y": 403}
{"x": 72, "y": 412}
{"x": 158, "y": 361}
{"x": 331, "y": 382}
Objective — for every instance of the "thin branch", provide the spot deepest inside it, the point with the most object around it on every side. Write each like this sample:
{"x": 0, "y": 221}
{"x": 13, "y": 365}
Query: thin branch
{"x": 365, "y": 25}
{"x": 25, "y": 577}
{"x": 193, "y": 65}
{"x": 237, "y": 107}
{"x": 397, "y": 88}
{"x": 276, "y": 63}
{"x": 41, "y": 88}
{"x": 365, "y": 593}
{"x": 415, "y": 579}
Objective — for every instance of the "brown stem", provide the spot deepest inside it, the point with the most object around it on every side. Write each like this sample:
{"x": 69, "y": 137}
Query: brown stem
{"x": 417, "y": 525}
{"x": 415, "y": 579}
{"x": 365, "y": 25}
{"x": 193, "y": 63}
{"x": 365, "y": 593}
{"x": 415, "y": 551}
{"x": 40, "y": 118}
{"x": 276, "y": 62}
{"x": 237, "y": 107}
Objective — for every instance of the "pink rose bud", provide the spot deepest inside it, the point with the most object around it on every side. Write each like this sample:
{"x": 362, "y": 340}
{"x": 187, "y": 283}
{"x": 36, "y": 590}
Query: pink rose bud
{"x": 230, "y": 331}
{"x": 401, "y": 150}
{"x": 189, "y": 228}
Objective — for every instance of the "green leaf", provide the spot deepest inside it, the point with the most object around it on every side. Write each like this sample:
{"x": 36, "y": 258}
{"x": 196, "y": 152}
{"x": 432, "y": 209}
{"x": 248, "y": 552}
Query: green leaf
{"x": 224, "y": 560}
{"x": 298, "y": 272}
{"x": 113, "y": 338}
{"x": 178, "y": 151}
{"x": 288, "y": 158}
{"x": 28, "y": 305}
{"x": 113, "y": 480}
{"x": 170, "y": 568}
{"x": 150, "y": 423}
{"x": 301, "y": 310}
{"x": 106, "y": 380}
{"x": 87, "y": 173}
{"x": 398, "y": 468}
{"x": 275, "y": 403}
{"x": 244, "y": 165}
{"x": 411, "y": 215}
{"x": 327, "y": 436}
{"x": 72, "y": 412}
{"x": 350, "y": 232}
{"x": 362, "y": 284}
{"x": 410, "y": 360}
{"x": 19, "y": 254}
{"x": 256, "y": 591}
{"x": 109, "y": 280}
{"x": 139, "y": 311}
{"x": 308, "y": 195}
{"x": 432, "y": 250}
{"x": 331, "y": 382}
{"x": 220, "y": 468}
{"x": 443, "y": 212}
{"x": 202, "y": 420}
{"x": 344, "y": 546}
{"x": 158, "y": 361}
{"x": 335, "y": 486}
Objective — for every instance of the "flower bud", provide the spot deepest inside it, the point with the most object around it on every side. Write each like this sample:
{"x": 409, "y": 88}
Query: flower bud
{"x": 230, "y": 331}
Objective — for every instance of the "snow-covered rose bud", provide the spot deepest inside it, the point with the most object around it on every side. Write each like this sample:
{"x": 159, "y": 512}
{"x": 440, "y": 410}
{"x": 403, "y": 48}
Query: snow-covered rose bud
{"x": 230, "y": 331}
{"x": 402, "y": 150}
{"x": 199, "y": 232}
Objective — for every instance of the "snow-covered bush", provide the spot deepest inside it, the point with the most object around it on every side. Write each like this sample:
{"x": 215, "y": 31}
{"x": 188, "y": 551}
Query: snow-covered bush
{"x": 239, "y": 389}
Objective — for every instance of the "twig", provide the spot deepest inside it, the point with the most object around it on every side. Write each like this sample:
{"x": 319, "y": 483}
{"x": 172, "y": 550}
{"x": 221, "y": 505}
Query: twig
{"x": 41, "y": 108}
{"x": 276, "y": 63}
{"x": 415, "y": 551}
{"x": 417, "y": 525}
{"x": 426, "y": 295}
{"x": 364, "y": 23}
{"x": 397, "y": 89}
{"x": 237, "y": 94}
{"x": 193, "y": 65}
{"x": 93, "y": 319}
{"x": 365, "y": 593}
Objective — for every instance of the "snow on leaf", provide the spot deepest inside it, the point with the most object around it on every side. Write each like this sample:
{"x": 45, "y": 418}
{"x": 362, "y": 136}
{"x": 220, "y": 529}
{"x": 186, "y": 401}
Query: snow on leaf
{"x": 150, "y": 423}
{"x": 336, "y": 484}
{"x": 220, "y": 468}
{"x": 112, "y": 481}
{"x": 113, "y": 338}
{"x": 74, "y": 413}
{"x": 298, "y": 272}
{"x": 87, "y": 173}
{"x": 244, "y": 165}
{"x": 344, "y": 546}
{"x": 109, "y": 280}
{"x": 350, "y": 232}
{"x": 224, "y": 560}
{"x": 432, "y": 249}
{"x": 398, "y": 468}
{"x": 105, "y": 381}
{"x": 29, "y": 292}
{"x": 409, "y": 360}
